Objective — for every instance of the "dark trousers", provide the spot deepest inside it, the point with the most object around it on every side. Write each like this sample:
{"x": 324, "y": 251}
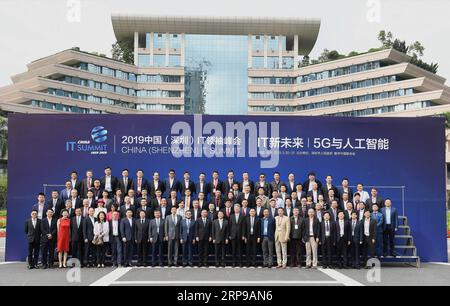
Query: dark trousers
{"x": 142, "y": 249}
{"x": 157, "y": 251}
{"x": 187, "y": 251}
{"x": 116, "y": 250}
{"x": 47, "y": 251}
{"x": 368, "y": 248}
{"x": 33, "y": 253}
{"x": 203, "y": 251}
{"x": 127, "y": 253}
{"x": 327, "y": 251}
{"x": 236, "y": 251}
{"x": 89, "y": 253}
{"x": 354, "y": 254}
{"x": 77, "y": 250}
{"x": 388, "y": 240}
{"x": 341, "y": 252}
{"x": 220, "y": 253}
{"x": 295, "y": 248}
{"x": 101, "y": 253}
{"x": 251, "y": 250}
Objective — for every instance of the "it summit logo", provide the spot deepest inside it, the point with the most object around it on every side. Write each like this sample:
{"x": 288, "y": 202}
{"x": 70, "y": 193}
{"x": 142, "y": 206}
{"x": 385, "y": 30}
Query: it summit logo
{"x": 96, "y": 145}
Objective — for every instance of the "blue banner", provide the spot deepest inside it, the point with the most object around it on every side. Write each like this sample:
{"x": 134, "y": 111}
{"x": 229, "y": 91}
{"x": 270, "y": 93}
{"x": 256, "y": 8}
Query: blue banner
{"x": 403, "y": 156}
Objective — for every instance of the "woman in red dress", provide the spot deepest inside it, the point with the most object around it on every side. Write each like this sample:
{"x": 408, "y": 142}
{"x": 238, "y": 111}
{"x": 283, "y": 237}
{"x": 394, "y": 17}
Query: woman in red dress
{"x": 63, "y": 238}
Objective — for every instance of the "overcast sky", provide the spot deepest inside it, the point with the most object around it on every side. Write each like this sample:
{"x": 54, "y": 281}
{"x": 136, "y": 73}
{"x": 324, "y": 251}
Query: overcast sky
{"x": 31, "y": 29}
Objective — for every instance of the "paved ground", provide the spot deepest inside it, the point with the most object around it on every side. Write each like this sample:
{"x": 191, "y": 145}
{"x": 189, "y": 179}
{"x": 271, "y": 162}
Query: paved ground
{"x": 428, "y": 274}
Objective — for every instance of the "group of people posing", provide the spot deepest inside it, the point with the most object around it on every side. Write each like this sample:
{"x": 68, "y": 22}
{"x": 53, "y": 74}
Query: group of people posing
{"x": 95, "y": 219}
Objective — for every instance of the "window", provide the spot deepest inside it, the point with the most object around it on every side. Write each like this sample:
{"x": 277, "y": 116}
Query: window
{"x": 288, "y": 62}
{"x": 174, "y": 60}
{"x": 257, "y": 43}
{"x": 273, "y": 43}
{"x": 257, "y": 62}
{"x": 144, "y": 60}
{"x": 273, "y": 62}
{"x": 159, "y": 41}
{"x": 175, "y": 41}
{"x": 159, "y": 60}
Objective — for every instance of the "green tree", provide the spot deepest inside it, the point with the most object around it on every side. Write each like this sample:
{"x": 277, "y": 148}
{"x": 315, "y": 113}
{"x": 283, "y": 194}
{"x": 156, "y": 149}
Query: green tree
{"x": 123, "y": 51}
{"x": 3, "y": 137}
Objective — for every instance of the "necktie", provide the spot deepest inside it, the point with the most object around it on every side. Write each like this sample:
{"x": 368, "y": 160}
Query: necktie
{"x": 328, "y": 227}
{"x": 204, "y": 222}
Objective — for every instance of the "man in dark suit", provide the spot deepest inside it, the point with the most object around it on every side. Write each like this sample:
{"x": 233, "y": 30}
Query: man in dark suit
{"x": 87, "y": 183}
{"x": 262, "y": 183}
{"x": 220, "y": 234}
{"x": 156, "y": 184}
{"x": 173, "y": 199}
{"x": 217, "y": 200}
{"x": 291, "y": 184}
{"x": 267, "y": 238}
{"x": 127, "y": 233}
{"x": 33, "y": 232}
{"x": 141, "y": 231}
{"x": 327, "y": 240}
{"x": 203, "y": 237}
{"x": 247, "y": 195}
{"x": 374, "y": 199}
{"x": 369, "y": 233}
{"x": 48, "y": 239}
{"x": 97, "y": 190}
{"x": 76, "y": 235}
{"x": 75, "y": 181}
{"x": 216, "y": 184}
{"x": 329, "y": 186}
{"x": 56, "y": 204}
{"x": 145, "y": 208}
{"x": 186, "y": 183}
{"x": 202, "y": 185}
{"x": 125, "y": 183}
{"x": 334, "y": 209}
{"x": 156, "y": 234}
{"x": 171, "y": 183}
{"x": 311, "y": 178}
{"x": 259, "y": 209}
{"x": 275, "y": 185}
{"x": 140, "y": 183}
{"x": 237, "y": 222}
{"x": 109, "y": 182}
{"x": 390, "y": 226}
{"x": 212, "y": 213}
{"x": 41, "y": 207}
{"x": 70, "y": 209}
{"x": 155, "y": 202}
{"x": 356, "y": 240}
{"x": 345, "y": 189}
{"x": 314, "y": 192}
{"x": 227, "y": 184}
{"x": 246, "y": 181}
{"x": 126, "y": 207}
{"x": 343, "y": 237}
{"x": 252, "y": 230}
{"x": 187, "y": 238}
{"x": 88, "y": 235}
{"x": 296, "y": 236}
{"x": 65, "y": 193}
{"x": 195, "y": 210}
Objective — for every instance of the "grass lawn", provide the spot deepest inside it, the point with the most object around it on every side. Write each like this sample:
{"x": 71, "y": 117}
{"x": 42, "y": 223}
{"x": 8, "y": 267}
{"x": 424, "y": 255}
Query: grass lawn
{"x": 2, "y": 213}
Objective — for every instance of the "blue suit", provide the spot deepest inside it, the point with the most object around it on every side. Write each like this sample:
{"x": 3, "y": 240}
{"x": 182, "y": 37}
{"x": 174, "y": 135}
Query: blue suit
{"x": 188, "y": 236}
{"x": 127, "y": 232}
{"x": 64, "y": 195}
{"x": 270, "y": 229}
{"x": 380, "y": 225}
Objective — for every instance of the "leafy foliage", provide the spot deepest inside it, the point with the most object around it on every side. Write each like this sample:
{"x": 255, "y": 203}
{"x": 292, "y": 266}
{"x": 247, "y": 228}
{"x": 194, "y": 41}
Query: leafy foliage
{"x": 123, "y": 51}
